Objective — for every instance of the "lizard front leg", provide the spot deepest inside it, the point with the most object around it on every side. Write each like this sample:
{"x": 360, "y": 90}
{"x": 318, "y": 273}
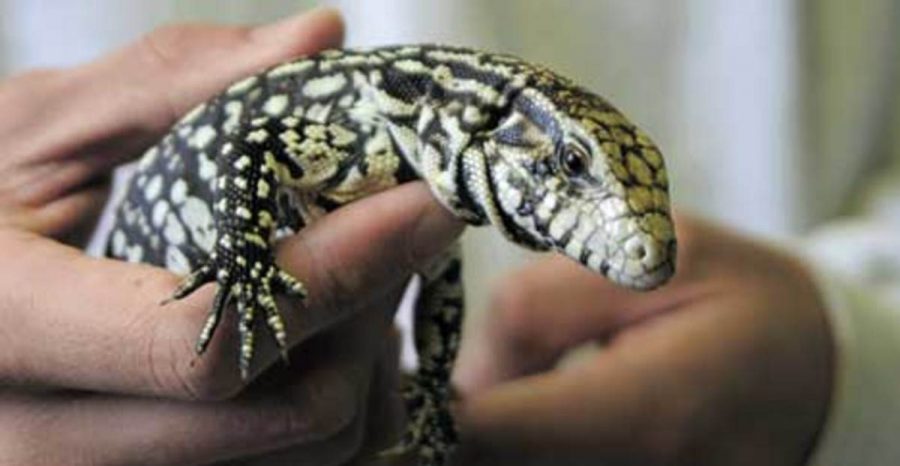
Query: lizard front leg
{"x": 242, "y": 262}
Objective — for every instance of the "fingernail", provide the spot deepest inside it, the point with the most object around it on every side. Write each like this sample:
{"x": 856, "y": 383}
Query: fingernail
{"x": 304, "y": 23}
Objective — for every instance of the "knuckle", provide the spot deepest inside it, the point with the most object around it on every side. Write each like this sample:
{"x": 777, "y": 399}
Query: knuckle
{"x": 158, "y": 49}
{"x": 176, "y": 46}
{"x": 173, "y": 52}
{"x": 166, "y": 42}
{"x": 161, "y": 43}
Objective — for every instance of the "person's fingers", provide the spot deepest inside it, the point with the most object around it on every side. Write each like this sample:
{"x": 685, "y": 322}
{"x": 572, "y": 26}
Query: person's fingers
{"x": 141, "y": 89}
{"x": 52, "y": 146}
{"x": 315, "y": 405}
{"x": 378, "y": 426}
{"x": 386, "y": 417}
{"x": 78, "y": 211}
{"x": 532, "y": 320}
{"x": 628, "y": 400}
{"x": 98, "y": 324}
{"x": 752, "y": 346}
{"x": 539, "y": 313}
{"x": 183, "y": 65}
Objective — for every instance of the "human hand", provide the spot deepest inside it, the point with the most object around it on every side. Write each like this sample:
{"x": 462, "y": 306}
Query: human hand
{"x": 729, "y": 364}
{"x": 64, "y": 130}
{"x": 94, "y": 370}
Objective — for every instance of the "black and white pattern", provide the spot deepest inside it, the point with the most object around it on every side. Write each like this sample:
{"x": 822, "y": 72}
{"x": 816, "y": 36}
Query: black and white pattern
{"x": 500, "y": 141}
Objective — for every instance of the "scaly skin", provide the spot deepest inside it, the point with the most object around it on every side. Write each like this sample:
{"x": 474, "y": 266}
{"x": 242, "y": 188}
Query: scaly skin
{"x": 500, "y": 141}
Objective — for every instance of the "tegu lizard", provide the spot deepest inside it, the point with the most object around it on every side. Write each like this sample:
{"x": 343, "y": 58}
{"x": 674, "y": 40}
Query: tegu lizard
{"x": 500, "y": 142}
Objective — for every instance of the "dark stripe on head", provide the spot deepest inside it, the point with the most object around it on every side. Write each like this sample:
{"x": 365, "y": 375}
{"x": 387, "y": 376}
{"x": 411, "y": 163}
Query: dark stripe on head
{"x": 539, "y": 115}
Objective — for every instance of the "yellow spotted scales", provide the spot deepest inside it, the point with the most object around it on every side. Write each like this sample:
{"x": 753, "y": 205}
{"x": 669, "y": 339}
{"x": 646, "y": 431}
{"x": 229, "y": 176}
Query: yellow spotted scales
{"x": 500, "y": 141}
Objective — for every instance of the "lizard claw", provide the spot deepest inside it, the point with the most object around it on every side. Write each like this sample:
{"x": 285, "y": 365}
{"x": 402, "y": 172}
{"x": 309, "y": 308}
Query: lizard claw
{"x": 289, "y": 284}
{"x": 252, "y": 287}
{"x": 191, "y": 283}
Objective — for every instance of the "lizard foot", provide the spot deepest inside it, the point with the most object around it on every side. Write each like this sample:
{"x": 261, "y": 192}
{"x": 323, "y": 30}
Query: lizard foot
{"x": 252, "y": 284}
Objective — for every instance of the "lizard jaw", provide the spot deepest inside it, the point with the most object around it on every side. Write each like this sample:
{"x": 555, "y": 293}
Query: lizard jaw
{"x": 623, "y": 249}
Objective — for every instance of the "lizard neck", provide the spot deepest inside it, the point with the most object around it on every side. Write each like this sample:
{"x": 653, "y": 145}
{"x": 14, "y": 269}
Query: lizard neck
{"x": 454, "y": 176}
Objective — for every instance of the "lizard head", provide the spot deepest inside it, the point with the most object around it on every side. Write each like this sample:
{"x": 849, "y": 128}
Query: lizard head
{"x": 570, "y": 173}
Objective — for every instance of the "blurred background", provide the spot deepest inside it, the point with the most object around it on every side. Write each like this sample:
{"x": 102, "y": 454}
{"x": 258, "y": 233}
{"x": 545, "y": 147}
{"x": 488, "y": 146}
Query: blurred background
{"x": 775, "y": 116}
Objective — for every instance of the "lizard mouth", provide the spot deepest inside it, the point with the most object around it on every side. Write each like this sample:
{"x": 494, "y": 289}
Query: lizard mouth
{"x": 633, "y": 272}
{"x": 650, "y": 277}
{"x": 638, "y": 261}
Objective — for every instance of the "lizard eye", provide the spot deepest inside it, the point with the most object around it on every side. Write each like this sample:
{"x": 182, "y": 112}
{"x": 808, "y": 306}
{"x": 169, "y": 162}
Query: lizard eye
{"x": 574, "y": 160}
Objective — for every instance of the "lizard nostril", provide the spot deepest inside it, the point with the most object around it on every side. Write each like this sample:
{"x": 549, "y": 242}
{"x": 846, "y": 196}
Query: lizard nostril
{"x": 640, "y": 252}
